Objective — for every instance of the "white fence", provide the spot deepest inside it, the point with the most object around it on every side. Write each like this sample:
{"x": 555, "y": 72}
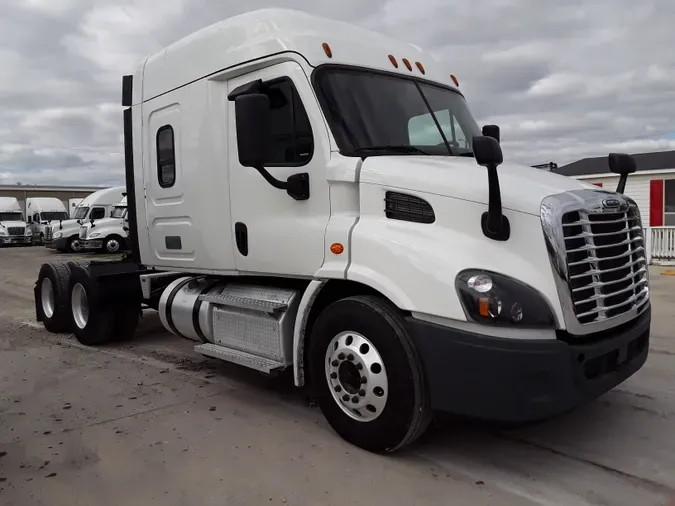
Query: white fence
{"x": 660, "y": 244}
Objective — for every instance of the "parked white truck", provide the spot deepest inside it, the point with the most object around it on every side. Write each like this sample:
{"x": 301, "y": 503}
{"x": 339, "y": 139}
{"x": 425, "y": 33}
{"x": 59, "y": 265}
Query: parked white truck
{"x": 65, "y": 235}
{"x": 72, "y": 206}
{"x": 108, "y": 235}
{"x": 13, "y": 228}
{"x": 308, "y": 195}
{"x": 41, "y": 212}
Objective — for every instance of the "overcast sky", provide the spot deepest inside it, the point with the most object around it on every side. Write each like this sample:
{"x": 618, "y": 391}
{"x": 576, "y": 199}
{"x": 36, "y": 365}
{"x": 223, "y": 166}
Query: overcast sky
{"x": 579, "y": 78}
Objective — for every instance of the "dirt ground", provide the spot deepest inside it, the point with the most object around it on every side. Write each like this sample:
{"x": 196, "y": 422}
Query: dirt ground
{"x": 152, "y": 422}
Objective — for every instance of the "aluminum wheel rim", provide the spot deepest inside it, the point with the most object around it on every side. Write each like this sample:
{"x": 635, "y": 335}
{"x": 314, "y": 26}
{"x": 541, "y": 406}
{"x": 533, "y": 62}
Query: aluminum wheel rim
{"x": 112, "y": 245}
{"x": 47, "y": 295}
{"x": 80, "y": 306}
{"x": 356, "y": 376}
{"x": 75, "y": 245}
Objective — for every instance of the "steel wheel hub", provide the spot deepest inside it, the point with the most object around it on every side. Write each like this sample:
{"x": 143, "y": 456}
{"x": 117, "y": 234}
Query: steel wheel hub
{"x": 47, "y": 295}
{"x": 356, "y": 376}
{"x": 80, "y": 306}
{"x": 112, "y": 245}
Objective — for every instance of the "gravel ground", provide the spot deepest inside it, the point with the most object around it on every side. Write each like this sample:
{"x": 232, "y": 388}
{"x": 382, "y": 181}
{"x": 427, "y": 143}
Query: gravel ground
{"x": 151, "y": 422}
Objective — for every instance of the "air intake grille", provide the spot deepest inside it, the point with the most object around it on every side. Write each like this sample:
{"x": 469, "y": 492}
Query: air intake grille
{"x": 606, "y": 263}
{"x": 16, "y": 230}
{"x": 400, "y": 206}
{"x": 48, "y": 233}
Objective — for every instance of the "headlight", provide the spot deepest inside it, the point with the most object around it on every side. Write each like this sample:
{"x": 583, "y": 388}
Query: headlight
{"x": 29, "y": 232}
{"x": 3, "y": 231}
{"x": 57, "y": 235}
{"x": 494, "y": 299}
{"x": 95, "y": 234}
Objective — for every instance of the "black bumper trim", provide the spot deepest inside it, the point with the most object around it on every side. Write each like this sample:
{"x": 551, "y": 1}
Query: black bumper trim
{"x": 513, "y": 380}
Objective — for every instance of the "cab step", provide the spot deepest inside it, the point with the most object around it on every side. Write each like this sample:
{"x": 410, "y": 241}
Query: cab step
{"x": 261, "y": 364}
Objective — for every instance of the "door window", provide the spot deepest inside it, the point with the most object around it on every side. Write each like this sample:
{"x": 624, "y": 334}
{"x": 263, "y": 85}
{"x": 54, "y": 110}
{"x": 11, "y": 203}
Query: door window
{"x": 291, "y": 132}
{"x": 97, "y": 213}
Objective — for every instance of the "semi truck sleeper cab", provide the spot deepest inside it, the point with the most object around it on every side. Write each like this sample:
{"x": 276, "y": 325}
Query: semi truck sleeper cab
{"x": 309, "y": 195}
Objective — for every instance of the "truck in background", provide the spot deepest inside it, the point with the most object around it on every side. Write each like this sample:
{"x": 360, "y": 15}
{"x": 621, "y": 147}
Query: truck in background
{"x": 319, "y": 198}
{"x": 13, "y": 227}
{"x": 41, "y": 212}
{"x": 72, "y": 205}
{"x": 65, "y": 236}
{"x": 108, "y": 235}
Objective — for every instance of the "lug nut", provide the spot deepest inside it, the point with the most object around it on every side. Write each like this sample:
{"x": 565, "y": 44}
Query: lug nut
{"x": 363, "y": 380}
{"x": 335, "y": 363}
{"x": 362, "y": 393}
{"x": 355, "y": 399}
{"x": 350, "y": 357}
{"x": 341, "y": 356}
{"x": 345, "y": 397}
{"x": 338, "y": 388}
{"x": 359, "y": 366}
{"x": 333, "y": 375}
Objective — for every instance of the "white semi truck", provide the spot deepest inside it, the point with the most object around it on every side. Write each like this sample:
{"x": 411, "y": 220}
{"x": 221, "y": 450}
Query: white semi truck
{"x": 13, "y": 226}
{"x": 65, "y": 235}
{"x": 41, "y": 212}
{"x": 308, "y": 195}
{"x": 108, "y": 235}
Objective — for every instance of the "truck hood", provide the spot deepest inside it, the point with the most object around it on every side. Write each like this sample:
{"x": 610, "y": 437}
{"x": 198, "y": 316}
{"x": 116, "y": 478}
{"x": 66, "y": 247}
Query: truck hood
{"x": 8, "y": 224}
{"x": 522, "y": 188}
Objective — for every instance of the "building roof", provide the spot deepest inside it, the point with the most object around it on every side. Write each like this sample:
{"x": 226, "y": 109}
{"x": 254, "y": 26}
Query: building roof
{"x": 49, "y": 188}
{"x": 283, "y": 33}
{"x": 658, "y": 160}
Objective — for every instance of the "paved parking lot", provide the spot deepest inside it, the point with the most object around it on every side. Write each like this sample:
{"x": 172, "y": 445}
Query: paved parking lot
{"x": 151, "y": 422}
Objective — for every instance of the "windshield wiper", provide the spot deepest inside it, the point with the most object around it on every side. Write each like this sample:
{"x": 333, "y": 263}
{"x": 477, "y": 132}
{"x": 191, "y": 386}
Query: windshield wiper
{"x": 394, "y": 149}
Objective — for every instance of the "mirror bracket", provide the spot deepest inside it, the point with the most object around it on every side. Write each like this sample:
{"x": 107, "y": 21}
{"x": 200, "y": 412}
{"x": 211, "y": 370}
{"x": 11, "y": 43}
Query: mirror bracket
{"x": 297, "y": 185}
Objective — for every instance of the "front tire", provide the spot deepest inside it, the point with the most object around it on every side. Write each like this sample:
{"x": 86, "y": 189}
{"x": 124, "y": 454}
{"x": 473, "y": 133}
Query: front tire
{"x": 367, "y": 375}
{"x": 113, "y": 244}
{"x": 74, "y": 244}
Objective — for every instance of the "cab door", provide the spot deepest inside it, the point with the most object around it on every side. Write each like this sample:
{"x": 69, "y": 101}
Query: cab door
{"x": 272, "y": 232}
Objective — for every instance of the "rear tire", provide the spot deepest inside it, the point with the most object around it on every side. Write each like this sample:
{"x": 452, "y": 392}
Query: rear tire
{"x": 52, "y": 297}
{"x": 91, "y": 321}
{"x": 367, "y": 376}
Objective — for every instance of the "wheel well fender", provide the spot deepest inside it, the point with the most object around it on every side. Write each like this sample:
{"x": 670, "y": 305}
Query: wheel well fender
{"x": 318, "y": 295}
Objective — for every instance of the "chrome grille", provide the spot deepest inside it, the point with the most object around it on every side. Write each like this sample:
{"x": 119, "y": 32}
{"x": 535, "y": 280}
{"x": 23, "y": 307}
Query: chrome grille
{"x": 16, "y": 230}
{"x": 597, "y": 250}
{"x": 83, "y": 232}
{"x": 48, "y": 233}
{"x": 606, "y": 262}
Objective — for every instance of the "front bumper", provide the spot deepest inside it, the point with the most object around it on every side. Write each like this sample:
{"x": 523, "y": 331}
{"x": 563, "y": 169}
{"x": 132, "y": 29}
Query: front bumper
{"x": 511, "y": 380}
{"x": 59, "y": 244}
{"x": 15, "y": 239}
{"x": 93, "y": 244}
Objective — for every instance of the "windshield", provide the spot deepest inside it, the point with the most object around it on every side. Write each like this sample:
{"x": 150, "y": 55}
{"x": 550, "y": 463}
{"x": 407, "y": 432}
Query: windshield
{"x": 80, "y": 213}
{"x": 11, "y": 216}
{"x": 54, "y": 216}
{"x": 119, "y": 212}
{"x": 373, "y": 113}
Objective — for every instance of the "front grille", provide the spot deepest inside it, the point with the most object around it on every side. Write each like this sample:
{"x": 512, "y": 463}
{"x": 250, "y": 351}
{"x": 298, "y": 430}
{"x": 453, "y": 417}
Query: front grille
{"x": 606, "y": 262}
{"x": 83, "y": 233}
{"x": 16, "y": 230}
{"x": 48, "y": 233}
{"x": 401, "y": 206}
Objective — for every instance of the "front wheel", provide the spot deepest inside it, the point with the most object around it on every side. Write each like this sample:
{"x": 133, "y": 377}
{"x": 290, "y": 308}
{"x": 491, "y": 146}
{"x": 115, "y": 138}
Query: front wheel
{"x": 74, "y": 245}
{"x": 367, "y": 375}
{"x": 112, "y": 244}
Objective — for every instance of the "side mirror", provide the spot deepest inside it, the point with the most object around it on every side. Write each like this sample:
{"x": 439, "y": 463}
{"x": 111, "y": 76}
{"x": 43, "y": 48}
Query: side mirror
{"x": 487, "y": 151}
{"x": 252, "y": 113}
{"x": 622, "y": 164}
{"x": 491, "y": 131}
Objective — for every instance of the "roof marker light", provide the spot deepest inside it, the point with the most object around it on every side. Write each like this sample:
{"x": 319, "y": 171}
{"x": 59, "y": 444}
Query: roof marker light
{"x": 327, "y": 50}
{"x": 407, "y": 64}
{"x": 420, "y": 67}
{"x": 454, "y": 80}
{"x": 393, "y": 61}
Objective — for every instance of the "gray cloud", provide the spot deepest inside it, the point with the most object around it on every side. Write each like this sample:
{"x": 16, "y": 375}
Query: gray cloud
{"x": 564, "y": 81}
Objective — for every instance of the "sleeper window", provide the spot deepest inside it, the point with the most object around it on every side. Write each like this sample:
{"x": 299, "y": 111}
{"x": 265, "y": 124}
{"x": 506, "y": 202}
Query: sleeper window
{"x": 292, "y": 140}
{"x": 166, "y": 157}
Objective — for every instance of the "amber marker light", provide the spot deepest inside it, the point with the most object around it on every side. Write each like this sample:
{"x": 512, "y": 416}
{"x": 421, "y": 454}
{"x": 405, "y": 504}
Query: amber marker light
{"x": 336, "y": 248}
{"x": 327, "y": 50}
{"x": 406, "y": 62}
{"x": 420, "y": 67}
{"x": 454, "y": 80}
{"x": 393, "y": 61}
